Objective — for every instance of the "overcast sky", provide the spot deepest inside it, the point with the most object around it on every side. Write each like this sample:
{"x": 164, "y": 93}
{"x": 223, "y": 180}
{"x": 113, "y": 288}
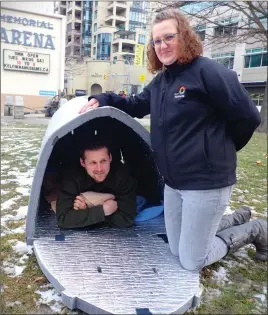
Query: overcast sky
{"x": 38, "y": 7}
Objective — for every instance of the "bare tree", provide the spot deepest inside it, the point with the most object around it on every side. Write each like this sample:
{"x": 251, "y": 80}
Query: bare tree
{"x": 224, "y": 28}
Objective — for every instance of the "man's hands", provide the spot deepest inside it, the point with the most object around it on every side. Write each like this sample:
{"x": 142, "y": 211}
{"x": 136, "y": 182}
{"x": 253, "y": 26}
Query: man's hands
{"x": 80, "y": 203}
{"x": 93, "y": 103}
{"x": 109, "y": 207}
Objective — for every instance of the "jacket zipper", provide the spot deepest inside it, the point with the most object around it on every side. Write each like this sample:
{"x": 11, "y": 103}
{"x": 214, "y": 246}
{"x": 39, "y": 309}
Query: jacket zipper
{"x": 165, "y": 129}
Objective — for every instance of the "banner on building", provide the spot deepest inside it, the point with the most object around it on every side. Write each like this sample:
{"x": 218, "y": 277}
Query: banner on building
{"x": 138, "y": 61}
{"x": 25, "y": 61}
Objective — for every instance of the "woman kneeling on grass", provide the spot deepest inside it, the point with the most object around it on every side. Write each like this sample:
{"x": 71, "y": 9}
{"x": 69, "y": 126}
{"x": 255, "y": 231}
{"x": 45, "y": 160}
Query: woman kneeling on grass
{"x": 200, "y": 117}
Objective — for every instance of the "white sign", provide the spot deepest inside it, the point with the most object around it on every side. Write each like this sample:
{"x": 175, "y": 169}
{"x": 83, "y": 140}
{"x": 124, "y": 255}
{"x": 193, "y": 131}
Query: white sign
{"x": 26, "y": 61}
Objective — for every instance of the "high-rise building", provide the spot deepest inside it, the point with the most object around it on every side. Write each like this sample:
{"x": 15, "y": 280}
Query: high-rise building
{"x": 105, "y": 30}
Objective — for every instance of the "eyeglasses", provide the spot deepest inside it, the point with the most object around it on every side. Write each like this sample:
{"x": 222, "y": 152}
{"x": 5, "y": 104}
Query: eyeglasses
{"x": 168, "y": 39}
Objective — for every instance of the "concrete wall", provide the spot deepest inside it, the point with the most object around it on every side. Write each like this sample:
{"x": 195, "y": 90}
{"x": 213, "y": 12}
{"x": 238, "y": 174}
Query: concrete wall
{"x": 29, "y": 84}
{"x": 254, "y": 74}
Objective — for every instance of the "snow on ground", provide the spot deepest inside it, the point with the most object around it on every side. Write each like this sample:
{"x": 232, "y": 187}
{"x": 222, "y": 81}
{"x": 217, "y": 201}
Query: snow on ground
{"x": 21, "y": 214}
{"x": 22, "y": 248}
{"x": 220, "y": 275}
{"x": 49, "y": 296}
{"x": 23, "y": 146}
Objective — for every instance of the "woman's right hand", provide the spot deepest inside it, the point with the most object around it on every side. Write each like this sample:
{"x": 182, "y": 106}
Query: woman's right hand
{"x": 93, "y": 103}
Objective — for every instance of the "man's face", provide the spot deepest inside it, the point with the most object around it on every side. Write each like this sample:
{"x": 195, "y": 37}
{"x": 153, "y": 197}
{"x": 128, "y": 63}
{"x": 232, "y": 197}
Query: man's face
{"x": 97, "y": 163}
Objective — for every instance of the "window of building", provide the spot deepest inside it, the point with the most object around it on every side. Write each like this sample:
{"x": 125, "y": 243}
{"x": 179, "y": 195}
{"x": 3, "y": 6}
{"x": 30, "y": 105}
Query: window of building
{"x": 225, "y": 59}
{"x": 227, "y": 30}
{"x": 95, "y": 27}
{"x": 256, "y": 57}
{"x": 104, "y": 46}
{"x": 141, "y": 39}
{"x": 95, "y": 14}
{"x": 257, "y": 98}
{"x": 95, "y": 39}
{"x": 201, "y": 31}
{"x": 140, "y": 5}
{"x": 227, "y": 26}
{"x": 94, "y": 51}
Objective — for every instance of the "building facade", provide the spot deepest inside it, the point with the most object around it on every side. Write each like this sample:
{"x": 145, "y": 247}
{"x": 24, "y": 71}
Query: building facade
{"x": 97, "y": 76}
{"x": 248, "y": 59}
{"x": 99, "y": 34}
{"x": 32, "y": 51}
{"x": 104, "y": 30}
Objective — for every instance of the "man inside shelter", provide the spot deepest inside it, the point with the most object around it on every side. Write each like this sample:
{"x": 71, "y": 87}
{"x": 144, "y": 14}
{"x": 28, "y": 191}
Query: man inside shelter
{"x": 97, "y": 192}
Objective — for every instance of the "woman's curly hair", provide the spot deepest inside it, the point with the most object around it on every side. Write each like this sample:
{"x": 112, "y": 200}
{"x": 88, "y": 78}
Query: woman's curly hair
{"x": 190, "y": 43}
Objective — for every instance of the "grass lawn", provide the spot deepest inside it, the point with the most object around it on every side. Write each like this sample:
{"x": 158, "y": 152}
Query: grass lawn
{"x": 235, "y": 285}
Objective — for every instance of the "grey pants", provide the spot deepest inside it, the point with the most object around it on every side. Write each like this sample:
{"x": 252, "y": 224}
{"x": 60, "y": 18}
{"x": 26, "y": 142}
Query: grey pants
{"x": 192, "y": 218}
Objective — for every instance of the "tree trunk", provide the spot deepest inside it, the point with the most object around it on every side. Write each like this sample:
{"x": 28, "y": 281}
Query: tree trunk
{"x": 263, "y": 126}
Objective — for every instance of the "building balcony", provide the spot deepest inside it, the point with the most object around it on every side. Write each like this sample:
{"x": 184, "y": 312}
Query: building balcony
{"x": 117, "y": 4}
{"x": 121, "y": 4}
{"x": 78, "y": 18}
{"x": 73, "y": 31}
{"x": 128, "y": 52}
{"x": 112, "y": 17}
{"x": 110, "y": 5}
{"x": 124, "y": 41}
{"x": 124, "y": 35}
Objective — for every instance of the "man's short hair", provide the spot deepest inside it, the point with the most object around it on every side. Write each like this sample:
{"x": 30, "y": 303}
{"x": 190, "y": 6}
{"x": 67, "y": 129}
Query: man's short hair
{"x": 93, "y": 147}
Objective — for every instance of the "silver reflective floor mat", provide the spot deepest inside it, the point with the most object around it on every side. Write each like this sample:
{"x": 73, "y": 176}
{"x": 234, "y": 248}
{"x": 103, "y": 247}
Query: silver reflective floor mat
{"x": 104, "y": 270}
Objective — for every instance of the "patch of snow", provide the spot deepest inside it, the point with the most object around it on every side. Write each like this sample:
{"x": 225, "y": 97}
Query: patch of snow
{"x": 19, "y": 270}
{"x": 22, "y": 248}
{"x": 10, "y": 202}
{"x": 238, "y": 190}
{"x": 23, "y": 179}
{"x": 228, "y": 210}
{"x": 260, "y": 297}
{"x": 12, "y": 304}
{"x": 23, "y": 259}
{"x": 20, "y": 215}
{"x": 50, "y": 298}
{"x": 21, "y": 212}
{"x": 2, "y": 287}
{"x": 220, "y": 275}
{"x": 5, "y": 218}
{"x": 11, "y": 270}
{"x": 4, "y": 167}
{"x": 4, "y": 192}
{"x": 241, "y": 253}
{"x": 18, "y": 230}
{"x": 24, "y": 191}
{"x": 256, "y": 201}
